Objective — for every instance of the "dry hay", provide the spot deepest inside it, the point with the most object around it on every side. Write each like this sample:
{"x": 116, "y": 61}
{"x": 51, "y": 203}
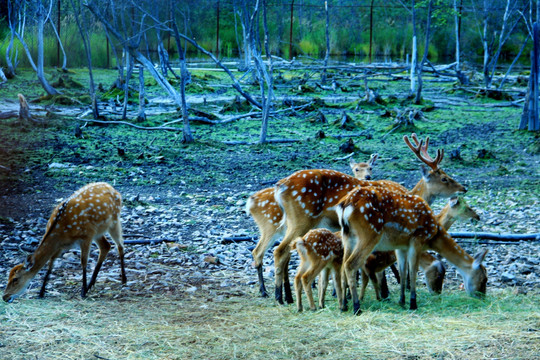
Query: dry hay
{"x": 451, "y": 326}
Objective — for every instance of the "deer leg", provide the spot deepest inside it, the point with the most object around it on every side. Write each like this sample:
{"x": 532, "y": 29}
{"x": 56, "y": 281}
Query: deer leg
{"x": 302, "y": 268}
{"x": 49, "y": 270}
{"x": 402, "y": 264}
{"x": 258, "y": 253}
{"x": 338, "y": 284}
{"x": 262, "y": 288}
{"x": 104, "y": 248}
{"x": 286, "y": 282}
{"x": 307, "y": 280}
{"x": 395, "y": 271}
{"x": 381, "y": 277}
{"x": 85, "y": 251}
{"x": 376, "y": 286}
{"x": 323, "y": 284}
{"x": 412, "y": 258}
{"x": 282, "y": 254}
{"x": 365, "y": 281}
{"x": 116, "y": 233}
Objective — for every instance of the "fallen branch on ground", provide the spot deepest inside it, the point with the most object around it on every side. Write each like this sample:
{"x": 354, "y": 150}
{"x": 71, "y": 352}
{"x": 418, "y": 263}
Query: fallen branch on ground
{"x": 491, "y": 236}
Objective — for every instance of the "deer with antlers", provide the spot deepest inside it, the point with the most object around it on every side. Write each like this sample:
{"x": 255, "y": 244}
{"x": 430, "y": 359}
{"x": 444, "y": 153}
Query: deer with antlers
{"x": 373, "y": 218}
{"x": 321, "y": 252}
{"x": 308, "y": 199}
{"x": 267, "y": 215}
{"x": 81, "y": 219}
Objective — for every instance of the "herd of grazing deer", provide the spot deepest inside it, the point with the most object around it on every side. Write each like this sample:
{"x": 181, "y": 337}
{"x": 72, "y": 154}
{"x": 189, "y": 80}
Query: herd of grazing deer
{"x": 377, "y": 222}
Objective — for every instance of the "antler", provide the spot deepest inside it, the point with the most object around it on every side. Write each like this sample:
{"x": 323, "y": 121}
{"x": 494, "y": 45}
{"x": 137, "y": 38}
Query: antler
{"x": 420, "y": 150}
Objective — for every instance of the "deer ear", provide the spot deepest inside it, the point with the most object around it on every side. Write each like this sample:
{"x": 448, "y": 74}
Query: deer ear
{"x": 425, "y": 173}
{"x": 29, "y": 262}
{"x": 454, "y": 201}
{"x": 478, "y": 258}
{"x": 352, "y": 162}
{"x": 373, "y": 159}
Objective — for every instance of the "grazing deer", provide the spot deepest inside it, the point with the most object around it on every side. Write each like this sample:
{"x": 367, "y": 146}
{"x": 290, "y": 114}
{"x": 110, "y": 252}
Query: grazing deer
{"x": 308, "y": 199}
{"x": 267, "y": 215}
{"x": 374, "y": 218}
{"x": 84, "y": 217}
{"x": 319, "y": 250}
{"x": 456, "y": 208}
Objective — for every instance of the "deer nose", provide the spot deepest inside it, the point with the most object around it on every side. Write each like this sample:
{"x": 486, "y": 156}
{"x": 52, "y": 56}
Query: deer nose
{"x": 7, "y": 298}
{"x": 464, "y": 189}
{"x": 368, "y": 177}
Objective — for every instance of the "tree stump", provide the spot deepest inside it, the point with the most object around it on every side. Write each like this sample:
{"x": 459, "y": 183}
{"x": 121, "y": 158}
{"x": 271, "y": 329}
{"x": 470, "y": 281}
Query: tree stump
{"x": 24, "y": 110}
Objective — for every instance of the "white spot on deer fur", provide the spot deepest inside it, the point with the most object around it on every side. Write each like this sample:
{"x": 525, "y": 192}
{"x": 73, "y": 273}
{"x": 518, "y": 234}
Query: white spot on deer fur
{"x": 303, "y": 189}
{"x": 294, "y": 193}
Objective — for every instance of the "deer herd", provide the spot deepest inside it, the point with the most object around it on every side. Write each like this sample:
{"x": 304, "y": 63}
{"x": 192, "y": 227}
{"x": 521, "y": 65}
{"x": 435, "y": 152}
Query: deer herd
{"x": 337, "y": 224}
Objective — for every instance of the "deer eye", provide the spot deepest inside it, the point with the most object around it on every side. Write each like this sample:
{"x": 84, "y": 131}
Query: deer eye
{"x": 370, "y": 169}
{"x": 15, "y": 281}
{"x": 444, "y": 179}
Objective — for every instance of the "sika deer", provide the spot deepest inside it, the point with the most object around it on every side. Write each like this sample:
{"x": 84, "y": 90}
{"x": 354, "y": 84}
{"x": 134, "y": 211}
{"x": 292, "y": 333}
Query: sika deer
{"x": 433, "y": 269}
{"x": 267, "y": 215}
{"x": 319, "y": 250}
{"x": 308, "y": 198}
{"x": 84, "y": 217}
{"x": 377, "y": 219}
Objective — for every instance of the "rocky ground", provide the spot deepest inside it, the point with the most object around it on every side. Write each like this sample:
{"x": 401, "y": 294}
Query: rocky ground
{"x": 194, "y": 256}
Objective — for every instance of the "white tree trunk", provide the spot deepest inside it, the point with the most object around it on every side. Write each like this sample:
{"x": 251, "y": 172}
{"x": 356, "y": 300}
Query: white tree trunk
{"x": 413, "y": 65}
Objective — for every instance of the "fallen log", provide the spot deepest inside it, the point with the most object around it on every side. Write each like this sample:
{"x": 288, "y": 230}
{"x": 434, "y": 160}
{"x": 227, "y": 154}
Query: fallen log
{"x": 459, "y": 235}
{"x": 236, "y": 239}
{"x": 148, "y": 241}
{"x": 491, "y": 236}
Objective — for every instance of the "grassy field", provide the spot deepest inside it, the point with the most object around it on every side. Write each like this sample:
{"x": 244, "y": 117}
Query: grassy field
{"x": 453, "y": 326}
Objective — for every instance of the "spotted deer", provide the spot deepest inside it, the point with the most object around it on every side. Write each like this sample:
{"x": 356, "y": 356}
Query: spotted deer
{"x": 79, "y": 220}
{"x": 267, "y": 215}
{"x": 308, "y": 199}
{"x": 319, "y": 250}
{"x": 456, "y": 209}
{"x": 374, "y": 218}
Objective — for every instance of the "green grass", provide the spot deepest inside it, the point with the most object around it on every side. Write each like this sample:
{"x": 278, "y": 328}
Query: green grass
{"x": 207, "y": 327}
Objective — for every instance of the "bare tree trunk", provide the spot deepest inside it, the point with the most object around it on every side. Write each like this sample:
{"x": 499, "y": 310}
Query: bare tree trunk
{"x": 130, "y": 61}
{"x": 268, "y": 78}
{"x": 9, "y": 63}
{"x": 456, "y": 28}
{"x": 217, "y": 29}
{"x": 485, "y": 44}
{"x": 370, "y": 30}
{"x": 327, "y": 32}
{"x": 418, "y": 98}
{"x": 291, "y": 30}
{"x": 59, "y": 41}
{"x": 414, "y": 50}
{"x": 184, "y": 76}
{"x": 3, "y": 77}
{"x": 118, "y": 60}
{"x": 83, "y": 30}
{"x": 142, "y": 115}
{"x": 246, "y": 34}
{"x": 40, "y": 52}
{"x": 163, "y": 55}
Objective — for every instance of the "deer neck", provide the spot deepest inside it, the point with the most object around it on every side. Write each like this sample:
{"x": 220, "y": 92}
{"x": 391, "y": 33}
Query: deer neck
{"x": 451, "y": 251}
{"x": 43, "y": 253}
{"x": 444, "y": 218}
{"x": 421, "y": 189}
